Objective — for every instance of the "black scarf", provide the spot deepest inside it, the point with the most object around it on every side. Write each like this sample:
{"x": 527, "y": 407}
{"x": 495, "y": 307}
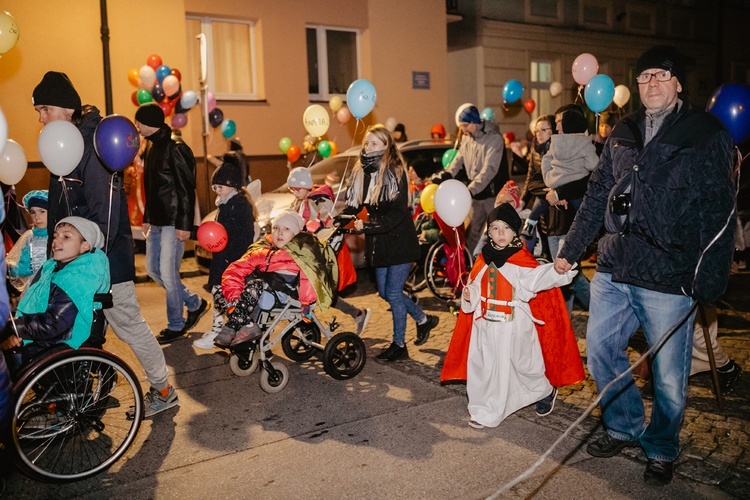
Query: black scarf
{"x": 495, "y": 255}
{"x": 370, "y": 162}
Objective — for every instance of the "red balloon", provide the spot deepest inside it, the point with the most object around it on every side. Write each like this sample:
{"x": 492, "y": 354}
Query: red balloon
{"x": 167, "y": 106}
{"x": 154, "y": 61}
{"x": 293, "y": 153}
{"x": 176, "y": 72}
{"x": 212, "y": 236}
{"x": 529, "y": 105}
{"x": 134, "y": 98}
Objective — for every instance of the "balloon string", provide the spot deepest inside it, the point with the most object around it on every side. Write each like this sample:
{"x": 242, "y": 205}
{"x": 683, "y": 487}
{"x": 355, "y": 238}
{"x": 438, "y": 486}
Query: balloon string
{"x": 579, "y": 96}
{"x": 346, "y": 167}
{"x": 458, "y": 256}
{"x": 109, "y": 211}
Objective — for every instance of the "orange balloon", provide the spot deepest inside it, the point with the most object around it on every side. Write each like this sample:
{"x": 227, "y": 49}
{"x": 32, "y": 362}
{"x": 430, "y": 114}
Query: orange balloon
{"x": 334, "y": 149}
{"x": 133, "y": 76}
{"x": 293, "y": 153}
{"x": 529, "y": 105}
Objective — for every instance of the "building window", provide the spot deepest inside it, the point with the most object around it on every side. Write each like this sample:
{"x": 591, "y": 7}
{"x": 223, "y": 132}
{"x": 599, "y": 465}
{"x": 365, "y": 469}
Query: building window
{"x": 641, "y": 20}
{"x": 595, "y": 14}
{"x": 230, "y": 49}
{"x": 541, "y": 78}
{"x": 681, "y": 25}
{"x": 544, "y": 11}
{"x": 332, "y": 61}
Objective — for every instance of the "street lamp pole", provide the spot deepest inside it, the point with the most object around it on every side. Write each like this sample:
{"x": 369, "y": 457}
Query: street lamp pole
{"x": 105, "y": 54}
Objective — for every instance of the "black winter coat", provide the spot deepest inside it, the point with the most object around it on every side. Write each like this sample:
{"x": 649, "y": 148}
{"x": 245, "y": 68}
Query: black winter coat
{"x": 87, "y": 194}
{"x": 681, "y": 197}
{"x": 169, "y": 167}
{"x": 236, "y": 215}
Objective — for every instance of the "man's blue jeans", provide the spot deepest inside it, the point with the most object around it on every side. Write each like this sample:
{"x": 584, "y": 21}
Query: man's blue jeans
{"x": 390, "y": 282}
{"x": 616, "y": 312}
{"x": 163, "y": 258}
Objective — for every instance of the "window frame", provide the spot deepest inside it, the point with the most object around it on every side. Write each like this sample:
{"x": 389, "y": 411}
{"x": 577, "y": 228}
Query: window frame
{"x": 583, "y": 4}
{"x": 207, "y": 30}
{"x": 542, "y": 19}
{"x": 322, "y": 54}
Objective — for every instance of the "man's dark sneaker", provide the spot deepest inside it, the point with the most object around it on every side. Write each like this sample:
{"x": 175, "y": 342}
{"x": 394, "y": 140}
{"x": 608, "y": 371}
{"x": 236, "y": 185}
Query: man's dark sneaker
{"x": 166, "y": 336}
{"x": 423, "y": 330}
{"x": 546, "y": 405}
{"x": 729, "y": 374}
{"x": 658, "y": 472}
{"x": 607, "y": 446}
{"x": 194, "y": 316}
{"x": 397, "y": 353}
{"x": 387, "y": 352}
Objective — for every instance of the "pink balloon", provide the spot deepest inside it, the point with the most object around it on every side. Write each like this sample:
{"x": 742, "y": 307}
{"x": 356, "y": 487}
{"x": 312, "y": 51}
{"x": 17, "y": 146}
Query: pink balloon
{"x": 343, "y": 115}
{"x": 179, "y": 120}
{"x": 585, "y": 67}
{"x": 170, "y": 85}
{"x": 211, "y": 101}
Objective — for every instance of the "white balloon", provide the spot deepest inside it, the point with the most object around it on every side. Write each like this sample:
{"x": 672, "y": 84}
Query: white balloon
{"x": 622, "y": 95}
{"x": 60, "y": 147}
{"x": 555, "y": 88}
{"x": 3, "y": 130}
{"x": 459, "y": 110}
{"x": 147, "y": 77}
{"x": 390, "y": 124}
{"x": 452, "y": 202}
{"x": 12, "y": 163}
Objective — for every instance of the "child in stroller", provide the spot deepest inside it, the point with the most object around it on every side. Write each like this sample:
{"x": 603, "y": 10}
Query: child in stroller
{"x": 292, "y": 262}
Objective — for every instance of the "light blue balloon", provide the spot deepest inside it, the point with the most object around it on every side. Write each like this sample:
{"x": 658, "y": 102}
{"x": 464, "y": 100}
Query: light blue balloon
{"x": 188, "y": 99}
{"x": 361, "y": 97}
{"x": 488, "y": 114}
{"x": 599, "y": 93}
{"x": 512, "y": 91}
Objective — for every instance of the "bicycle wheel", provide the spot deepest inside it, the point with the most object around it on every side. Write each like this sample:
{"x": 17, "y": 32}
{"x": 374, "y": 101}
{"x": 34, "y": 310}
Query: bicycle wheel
{"x": 70, "y": 420}
{"x": 437, "y": 276}
{"x": 415, "y": 281}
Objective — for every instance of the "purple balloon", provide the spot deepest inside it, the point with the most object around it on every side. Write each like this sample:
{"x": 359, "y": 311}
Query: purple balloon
{"x": 215, "y": 117}
{"x": 179, "y": 120}
{"x": 116, "y": 142}
{"x": 158, "y": 93}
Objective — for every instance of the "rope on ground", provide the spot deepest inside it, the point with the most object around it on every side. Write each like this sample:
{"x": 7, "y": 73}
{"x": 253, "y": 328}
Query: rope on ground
{"x": 528, "y": 472}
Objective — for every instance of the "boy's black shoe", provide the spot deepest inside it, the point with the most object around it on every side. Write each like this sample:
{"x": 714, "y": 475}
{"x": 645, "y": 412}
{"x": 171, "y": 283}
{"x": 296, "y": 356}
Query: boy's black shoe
{"x": 729, "y": 374}
{"x": 423, "y": 330}
{"x": 546, "y": 405}
{"x": 658, "y": 472}
{"x": 607, "y": 446}
{"x": 194, "y": 316}
{"x": 397, "y": 353}
{"x": 166, "y": 336}
{"x": 387, "y": 352}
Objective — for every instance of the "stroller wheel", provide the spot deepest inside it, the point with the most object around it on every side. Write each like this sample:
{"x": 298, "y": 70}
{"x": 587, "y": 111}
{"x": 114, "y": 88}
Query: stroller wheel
{"x": 245, "y": 363}
{"x": 293, "y": 344}
{"x": 273, "y": 383}
{"x": 345, "y": 356}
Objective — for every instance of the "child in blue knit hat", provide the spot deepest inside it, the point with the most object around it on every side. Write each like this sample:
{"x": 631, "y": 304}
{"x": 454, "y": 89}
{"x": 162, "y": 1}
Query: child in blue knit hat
{"x": 30, "y": 251}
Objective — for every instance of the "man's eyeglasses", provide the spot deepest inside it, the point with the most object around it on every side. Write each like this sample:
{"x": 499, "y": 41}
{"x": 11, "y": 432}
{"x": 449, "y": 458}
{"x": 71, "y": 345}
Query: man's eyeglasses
{"x": 661, "y": 76}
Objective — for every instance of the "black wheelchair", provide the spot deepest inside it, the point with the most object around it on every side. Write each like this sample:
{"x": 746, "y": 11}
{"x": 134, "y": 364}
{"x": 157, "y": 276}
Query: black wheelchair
{"x": 75, "y": 412}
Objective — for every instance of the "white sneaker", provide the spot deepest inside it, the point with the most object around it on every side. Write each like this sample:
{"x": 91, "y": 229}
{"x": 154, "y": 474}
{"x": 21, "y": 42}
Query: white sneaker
{"x": 207, "y": 340}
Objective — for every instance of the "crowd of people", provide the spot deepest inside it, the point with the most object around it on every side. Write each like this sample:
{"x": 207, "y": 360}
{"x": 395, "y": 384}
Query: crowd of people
{"x": 654, "y": 189}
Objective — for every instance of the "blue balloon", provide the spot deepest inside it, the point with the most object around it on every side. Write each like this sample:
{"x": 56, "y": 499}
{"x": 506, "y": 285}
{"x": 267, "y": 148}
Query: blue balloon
{"x": 731, "y": 104}
{"x": 116, "y": 142}
{"x": 162, "y": 72}
{"x": 488, "y": 114}
{"x": 188, "y": 99}
{"x": 512, "y": 91}
{"x": 228, "y": 128}
{"x": 158, "y": 93}
{"x": 599, "y": 93}
{"x": 361, "y": 97}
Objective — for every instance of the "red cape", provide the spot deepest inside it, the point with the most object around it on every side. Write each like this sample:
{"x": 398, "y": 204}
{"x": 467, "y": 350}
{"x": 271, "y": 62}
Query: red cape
{"x": 562, "y": 360}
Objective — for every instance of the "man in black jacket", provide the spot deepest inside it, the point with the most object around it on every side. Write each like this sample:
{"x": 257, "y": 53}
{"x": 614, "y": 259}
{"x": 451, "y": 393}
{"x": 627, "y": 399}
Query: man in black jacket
{"x": 664, "y": 193}
{"x": 95, "y": 193}
{"x": 169, "y": 178}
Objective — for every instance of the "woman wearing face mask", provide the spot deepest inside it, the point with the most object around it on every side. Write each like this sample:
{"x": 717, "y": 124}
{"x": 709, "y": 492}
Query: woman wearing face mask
{"x": 379, "y": 184}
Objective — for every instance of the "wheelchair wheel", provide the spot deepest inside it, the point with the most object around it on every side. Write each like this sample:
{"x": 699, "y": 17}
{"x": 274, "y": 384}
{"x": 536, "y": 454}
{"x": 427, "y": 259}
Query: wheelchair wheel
{"x": 415, "y": 281}
{"x": 345, "y": 356}
{"x": 277, "y": 382}
{"x": 70, "y": 420}
{"x": 244, "y": 364}
{"x": 293, "y": 344}
{"x": 437, "y": 277}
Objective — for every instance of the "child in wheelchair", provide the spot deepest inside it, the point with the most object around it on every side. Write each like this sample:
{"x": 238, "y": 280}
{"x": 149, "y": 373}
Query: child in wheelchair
{"x": 58, "y": 307}
{"x": 292, "y": 262}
